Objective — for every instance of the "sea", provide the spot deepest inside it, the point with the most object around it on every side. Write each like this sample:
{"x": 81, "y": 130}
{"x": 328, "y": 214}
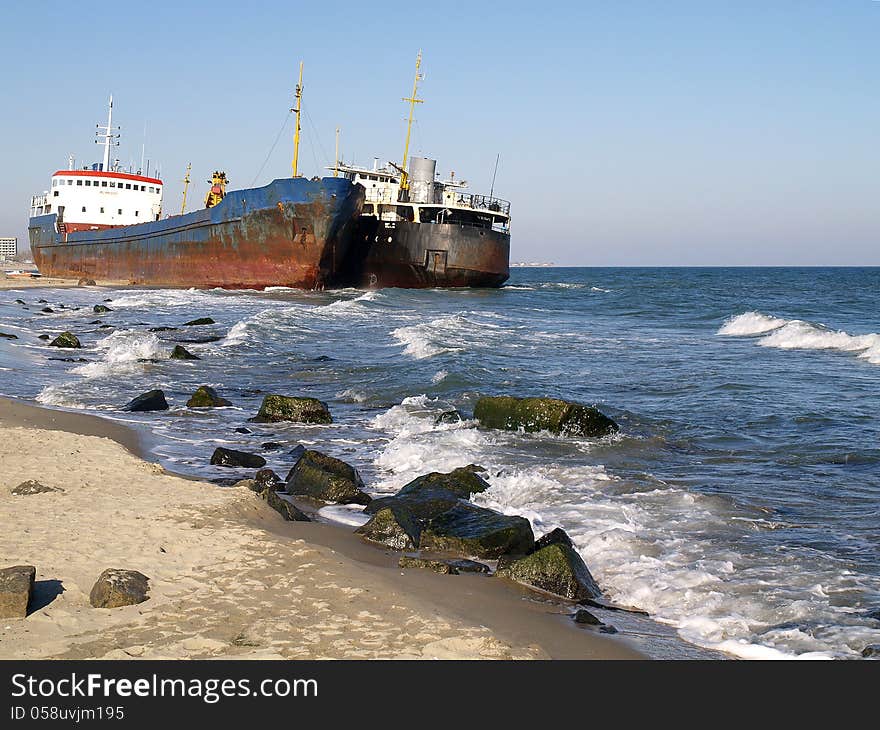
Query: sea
{"x": 739, "y": 505}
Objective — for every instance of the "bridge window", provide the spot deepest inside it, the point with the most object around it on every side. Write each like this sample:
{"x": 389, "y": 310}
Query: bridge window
{"x": 128, "y": 186}
{"x": 119, "y": 211}
{"x": 102, "y": 210}
{"x": 143, "y": 188}
{"x": 135, "y": 214}
{"x": 55, "y": 194}
{"x": 79, "y": 182}
{"x": 84, "y": 209}
{"x": 152, "y": 189}
{"x": 88, "y": 182}
{"x": 103, "y": 183}
{"x": 112, "y": 184}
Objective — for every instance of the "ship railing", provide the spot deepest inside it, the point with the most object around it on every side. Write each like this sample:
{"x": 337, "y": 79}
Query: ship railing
{"x": 483, "y": 202}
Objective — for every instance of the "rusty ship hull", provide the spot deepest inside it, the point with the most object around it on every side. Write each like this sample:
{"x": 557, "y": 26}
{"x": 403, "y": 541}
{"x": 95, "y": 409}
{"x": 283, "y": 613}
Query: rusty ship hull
{"x": 292, "y": 232}
{"x": 426, "y": 255}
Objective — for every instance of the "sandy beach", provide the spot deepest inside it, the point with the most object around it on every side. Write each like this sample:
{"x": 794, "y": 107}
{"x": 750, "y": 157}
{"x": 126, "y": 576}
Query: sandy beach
{"x": 228, "y": 577}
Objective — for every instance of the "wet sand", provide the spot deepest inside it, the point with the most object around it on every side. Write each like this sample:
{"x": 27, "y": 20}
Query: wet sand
{"x": 229, "y": 578}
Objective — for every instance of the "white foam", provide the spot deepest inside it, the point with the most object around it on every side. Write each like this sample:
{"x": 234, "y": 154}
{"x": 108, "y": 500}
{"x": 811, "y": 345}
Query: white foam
{"x": 122, "y": 351}
{"x": 56, "y": 395}
{"x": 439, "y": 376}
{"x": 750, "y": 323}
{"x": 796, "y": 334}
{"x": 451, "y": 333}
{"x": 345, "y": 514}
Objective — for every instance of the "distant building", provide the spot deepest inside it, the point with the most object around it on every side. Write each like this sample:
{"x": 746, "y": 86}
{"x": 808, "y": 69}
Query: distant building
{"x": 8, "y": 248}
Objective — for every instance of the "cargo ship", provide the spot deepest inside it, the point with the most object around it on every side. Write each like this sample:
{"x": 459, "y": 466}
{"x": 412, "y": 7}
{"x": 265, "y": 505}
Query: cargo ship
{"x": 416, "y": 231}
{"x": 103, "y": 224}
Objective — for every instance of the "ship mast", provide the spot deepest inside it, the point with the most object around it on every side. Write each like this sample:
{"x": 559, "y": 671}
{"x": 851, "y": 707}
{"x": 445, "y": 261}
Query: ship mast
{"x": 107, "y": 133}
{"x": 336, "y": 162}
{"x": 413, "y": 100}
{"x": 185, "y": 186}
{"x": 297, "y": 110}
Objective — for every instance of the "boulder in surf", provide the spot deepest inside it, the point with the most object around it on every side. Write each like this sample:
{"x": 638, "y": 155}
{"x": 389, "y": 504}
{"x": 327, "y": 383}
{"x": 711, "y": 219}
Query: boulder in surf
{"x": 66, "y": 339}
{"x": 556, "y": 568}
{"x": 231, "y": 457}
{"x": 152, "y": 400}
{"x": 206, "y": 397}
{"x": 393, "y": 527}
{"x": 327, "y": 479}
{"x": 277, "y": 408}
{"x": 471, "y": 531}
{"x": 543, "y": 414}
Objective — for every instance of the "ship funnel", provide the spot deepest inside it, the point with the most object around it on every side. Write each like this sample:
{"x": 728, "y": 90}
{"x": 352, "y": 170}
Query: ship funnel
{"x": 421, "y": 179}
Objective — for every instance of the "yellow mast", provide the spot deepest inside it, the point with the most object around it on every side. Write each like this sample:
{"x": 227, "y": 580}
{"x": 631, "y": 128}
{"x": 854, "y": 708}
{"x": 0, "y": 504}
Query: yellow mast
{"x": 336, "y": 163}
{"x": 297, "y": 109}
{"x": 404, "y": 180}
{"x": 185, "y": 186}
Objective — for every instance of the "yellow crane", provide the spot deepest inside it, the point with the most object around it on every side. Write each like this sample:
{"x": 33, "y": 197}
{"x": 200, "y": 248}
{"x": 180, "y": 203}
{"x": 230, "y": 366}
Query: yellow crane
{"x": 413, "y": 100}
{"x": 185, "y": 186}
{"x": 297, "y": 110}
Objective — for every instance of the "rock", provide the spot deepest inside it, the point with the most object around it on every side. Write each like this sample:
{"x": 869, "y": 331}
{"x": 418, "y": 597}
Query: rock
{"x": 32, "y": 487}
{"x": 6, "y": 336}
{"x": 584, "y": 617}
{"x": 542, "y": 414}
{"x": 65, "y": 339}
{"x": 199, "y": 340}
{"x": 106, "y": 327}
{"x": 325, "y": 478}
{"x": 297, "y": 451}
{"x": 247, "y": 484}
{"x": 554, "y": 537}
{"x": 242, "y": 429}
{"x": 432, "y": 494}
{"x": 267, "y": 479}
{"x": 20, "y": 301}
{"x": 68, "y": 359}
{"x": 47, "y": 310}
{"x": 42, "y": 301}
{"x": 394, "y": 527}
{"x": 288, "y": 511}
{"x": 469, "y": 530}
{"x": 162, "y": 329}
{"x": 231, "y": 457}
{"x": 198, "y": 322}
{"x": 43, "y": 337}
{"x": 152, "y": 400}
{"x": 556, "y": 568}
{"x": 96, "y": 321}
{"x": 438, "y": 566}
{"x": 101, "y": 309}
{"x": 452, "y": 416}
{"x": 447, "y": 567}
{"x": 206, "y": 397}
{"x": 277, "y": 408}
{"x": 86, "y": 282}
{"x": 272, "y": 446}
{"x": 322, "y": 358}
{"x": 181, "y": 353}
{"x": 16, "y": 588}
{"x": 117, "y": 587}
{"x": 871, "y": 650}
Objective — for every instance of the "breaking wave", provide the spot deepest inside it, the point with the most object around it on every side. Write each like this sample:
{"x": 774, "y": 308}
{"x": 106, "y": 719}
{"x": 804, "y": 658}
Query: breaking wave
{"x": 124, "y": 351}
{"x": 797, "y": 334}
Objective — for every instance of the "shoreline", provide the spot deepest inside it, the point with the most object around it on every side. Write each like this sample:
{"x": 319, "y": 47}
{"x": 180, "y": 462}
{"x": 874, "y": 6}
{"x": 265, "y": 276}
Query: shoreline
{"x": 479, "y": 616}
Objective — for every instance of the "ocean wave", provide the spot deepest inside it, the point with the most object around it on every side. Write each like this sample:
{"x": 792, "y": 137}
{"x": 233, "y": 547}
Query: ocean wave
{"x": 797, "y": 334}
{"x": 122, "y": 352}
{"x": 57, "y": 395}
{"x": 449, "y": 334}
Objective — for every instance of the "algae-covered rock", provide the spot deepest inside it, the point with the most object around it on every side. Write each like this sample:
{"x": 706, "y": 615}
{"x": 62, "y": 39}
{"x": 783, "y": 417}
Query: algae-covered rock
{"x": 469, "y": 530}
{"x": 556, "y": 568}
{"x": 206, "y": 397}
{"x": 198, "y": 322}
{"x": 394, "y": 527}
{"x": 444, "y": 567}
{"x": 117, "y": 587}
{"x": 231, "y": 457}
{"x": 323, "y": 477}
{"x": 432, "y": 494}
{"x": 277, "y": 408}
{"x": 7, "y": 336}
{"x": 152, "y": 400}
{"x": 86, "y": 282}
{"x": 66, "y": 339}
{"x": 101, "y": 309}
{"x": 554, "y": 537}
{"x": 286, "y": 509}
{"x": 16, "y": 588}
{"x": 181, "y": 353}
{"x": 543, "y": 414}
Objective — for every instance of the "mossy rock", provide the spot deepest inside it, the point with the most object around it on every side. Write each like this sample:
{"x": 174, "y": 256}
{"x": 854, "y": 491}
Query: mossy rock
{"x": 444, "y": 567}
{"x": 393, "y": 527}
{"x": 433, "y": 494}
{"x": 267, "y": 479}
{"x": 198, "y": 322}
{"x": 181, "y": 353}
{"x": 66, "y": 339}
{"x": 556, "y": 568}
{"x": 7, "y": 336}
{"x": 206, "y": 397}
{"x": 288, "y": 511}
{"x": 543, "y": 414}
{"x": 326, "y": 478}
{"x": 101, "y": 309}
{"x": 468, "y": 530}
{"x": 277, "y": 408}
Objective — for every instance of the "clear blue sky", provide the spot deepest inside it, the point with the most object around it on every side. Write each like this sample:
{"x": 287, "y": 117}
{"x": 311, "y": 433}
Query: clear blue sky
{"x": 630, "y": 133}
